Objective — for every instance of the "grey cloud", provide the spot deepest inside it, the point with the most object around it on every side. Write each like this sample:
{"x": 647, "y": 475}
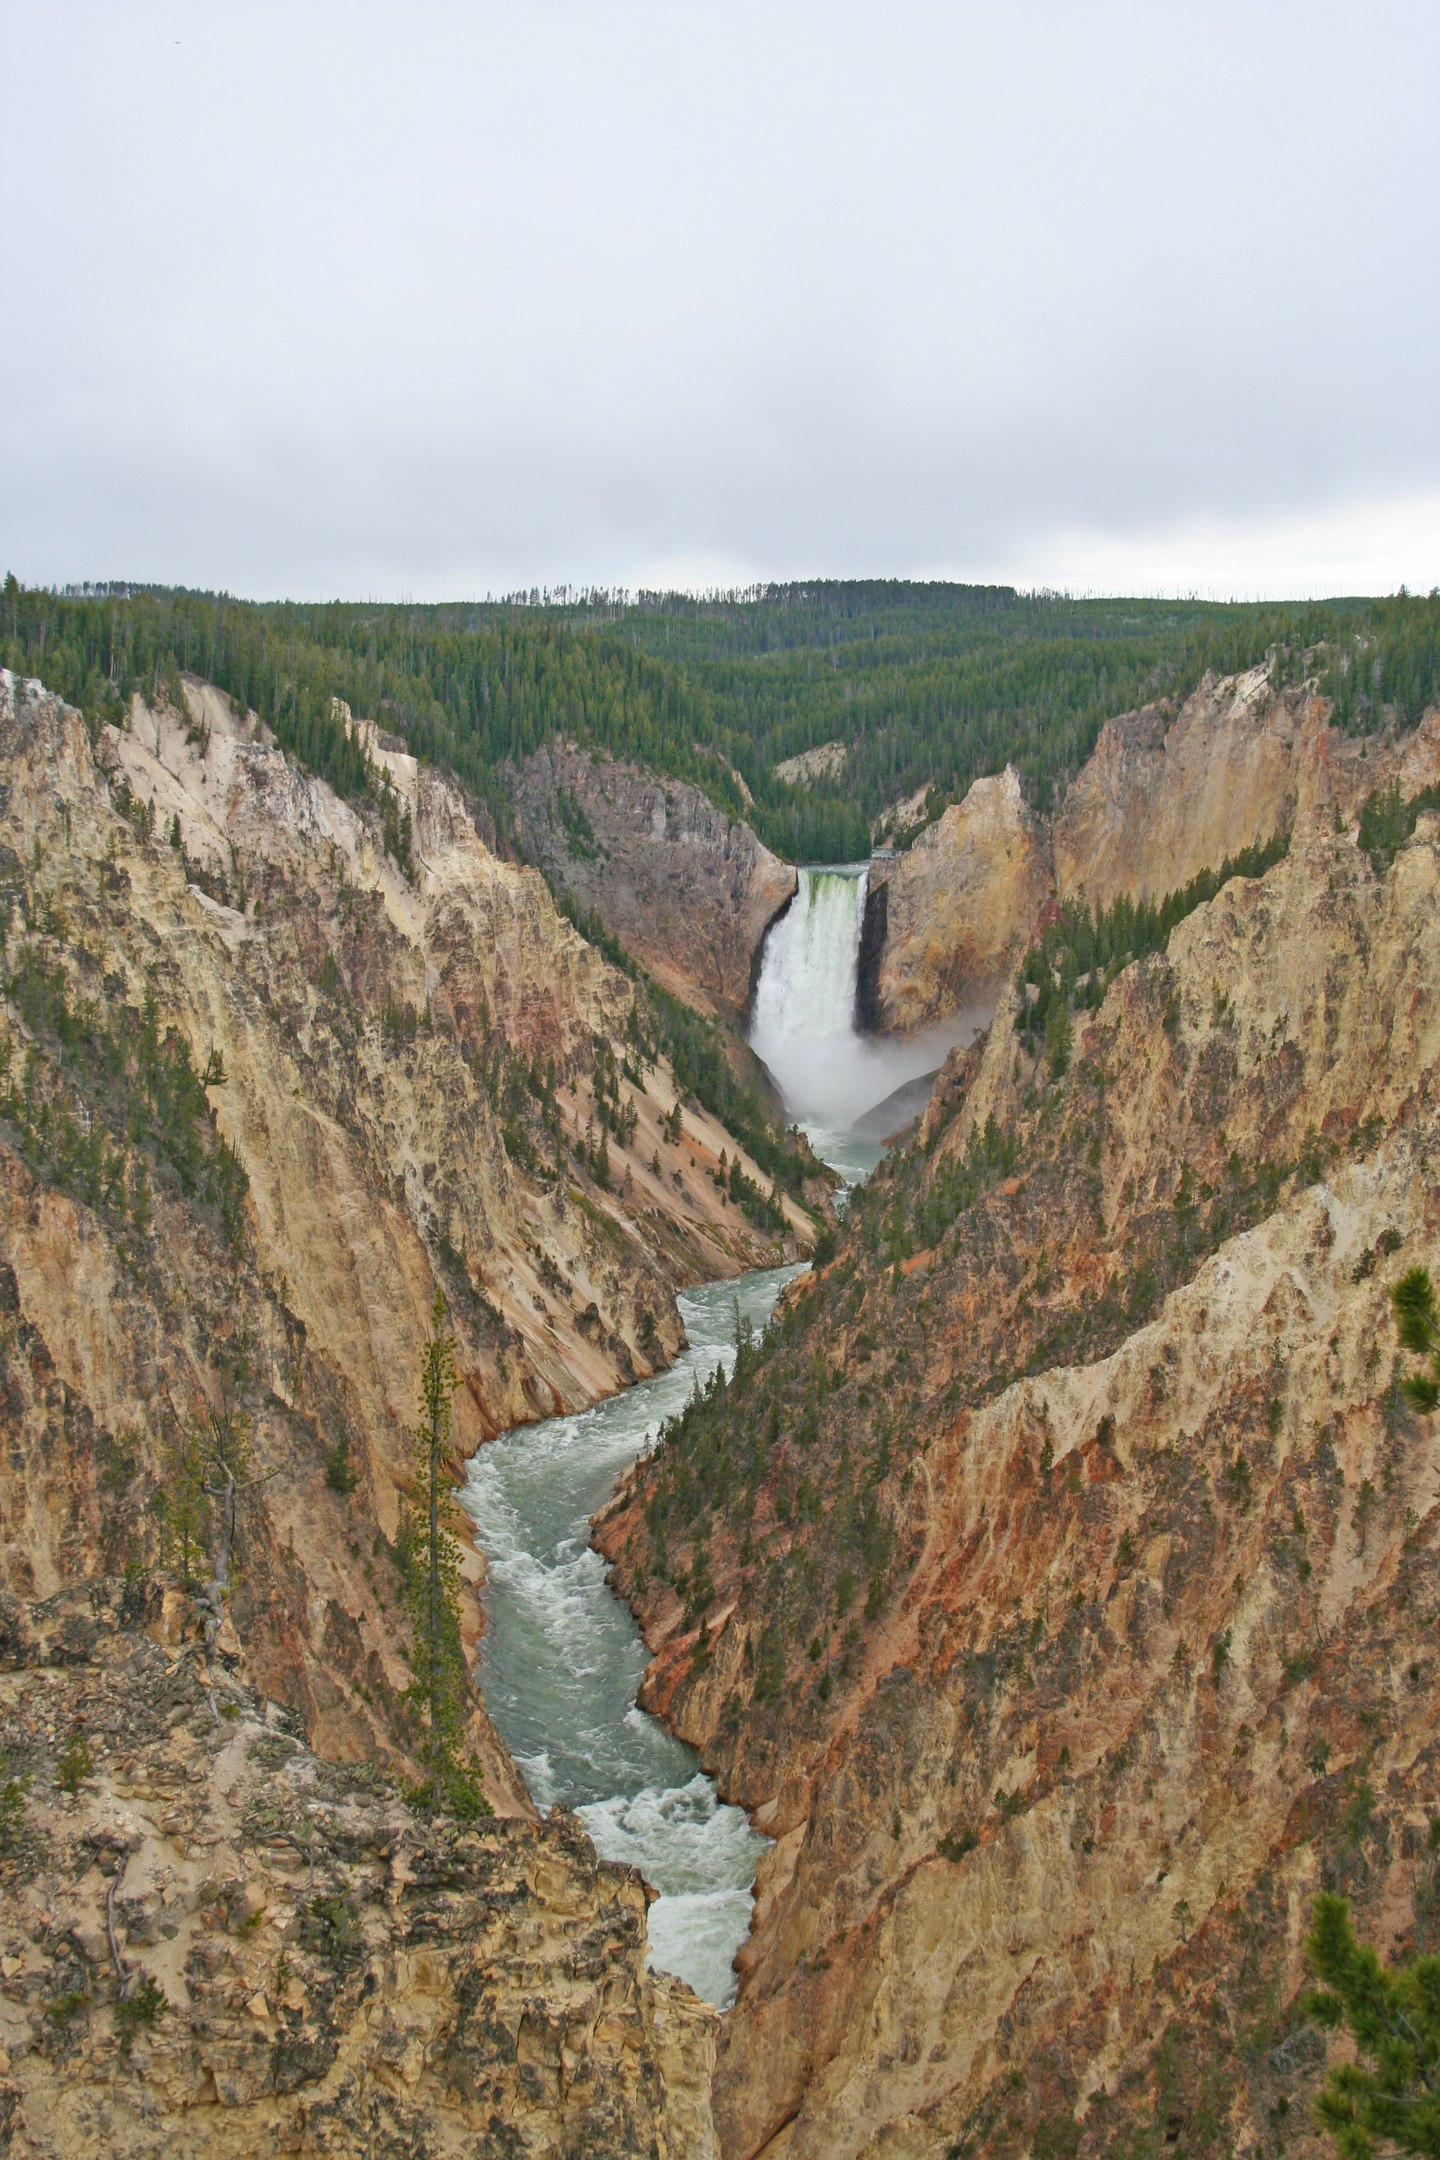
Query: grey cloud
{"x": 426, "y": 299}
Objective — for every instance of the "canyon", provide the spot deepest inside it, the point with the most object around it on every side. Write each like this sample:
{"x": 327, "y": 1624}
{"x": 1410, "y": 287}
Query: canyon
{"x": 381, "y": 1080}
{"x": 1054, "y": 1583}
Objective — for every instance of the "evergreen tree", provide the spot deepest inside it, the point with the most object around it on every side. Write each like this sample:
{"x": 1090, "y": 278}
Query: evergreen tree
{"x": 1418, "y": 1323}
{"x": 1058, "y": 1038}
{"x": 440, "y": 1688}
{"x": 1392, "y": 2093}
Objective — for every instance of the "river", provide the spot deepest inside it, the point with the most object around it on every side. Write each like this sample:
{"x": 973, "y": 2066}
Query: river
{"x": 562, "y": 1657}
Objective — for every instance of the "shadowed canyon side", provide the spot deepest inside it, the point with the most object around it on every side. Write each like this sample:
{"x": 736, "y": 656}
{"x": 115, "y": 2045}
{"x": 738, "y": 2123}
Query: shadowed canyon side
{"x": 1071, "y": 1559}
{"x": 687, "y": 890}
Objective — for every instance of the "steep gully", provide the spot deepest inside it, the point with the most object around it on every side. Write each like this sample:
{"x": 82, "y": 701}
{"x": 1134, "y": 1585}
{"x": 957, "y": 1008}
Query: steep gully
{"x": 562, "y": 1658}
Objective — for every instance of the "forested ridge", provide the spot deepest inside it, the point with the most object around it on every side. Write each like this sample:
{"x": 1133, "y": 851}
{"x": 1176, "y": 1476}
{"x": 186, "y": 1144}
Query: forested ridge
{"x": 925, "y": 684}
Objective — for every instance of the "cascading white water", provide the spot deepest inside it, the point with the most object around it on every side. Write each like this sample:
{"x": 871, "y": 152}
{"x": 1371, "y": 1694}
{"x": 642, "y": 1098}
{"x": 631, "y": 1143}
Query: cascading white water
{"x": 561, "y": 1658}
{"x": 803, "y": 1025}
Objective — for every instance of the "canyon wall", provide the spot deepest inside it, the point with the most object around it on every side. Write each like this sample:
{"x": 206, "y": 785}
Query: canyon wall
{"x": 1065, "y": 1610}
{"x": 406, "y": 1069}
{"x": 270, "y": 1081}
{"x": 946, "y": 921}
{"x": 686, "y": 889}
{"x": 1166, "y": 793}
{"x": 1055, "y": 1583}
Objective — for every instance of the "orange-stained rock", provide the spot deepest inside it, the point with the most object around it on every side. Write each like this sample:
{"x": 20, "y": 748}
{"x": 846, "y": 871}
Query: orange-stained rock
{"x": 1152, "y": 1554}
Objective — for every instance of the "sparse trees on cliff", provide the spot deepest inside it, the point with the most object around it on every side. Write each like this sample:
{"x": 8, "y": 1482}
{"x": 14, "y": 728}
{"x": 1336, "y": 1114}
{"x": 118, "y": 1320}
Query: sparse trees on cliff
{"x": 1390, "y": 2097}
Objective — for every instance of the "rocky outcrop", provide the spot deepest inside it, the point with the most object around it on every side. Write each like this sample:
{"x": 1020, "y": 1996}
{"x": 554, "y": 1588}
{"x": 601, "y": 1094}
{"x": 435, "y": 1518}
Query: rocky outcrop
{"x": 821, "y": 763}
{"x": 213, "y": 1942}
{"x": 946, "y": 921}
{"x": 684, "y": 888}
{"x": 1076, "y": 1632}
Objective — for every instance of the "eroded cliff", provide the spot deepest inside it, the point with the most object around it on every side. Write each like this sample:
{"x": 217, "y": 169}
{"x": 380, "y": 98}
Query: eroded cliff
{"x": 275, "y": 1069}
{"x": 1169, "y": 791}
{"x": 413, "y": 1076}
{"x": 1056, "y": 1583}
{"x": 1166, "y": 794}
{"x": 687, "y": 890}
{"x": 947, "y": 919}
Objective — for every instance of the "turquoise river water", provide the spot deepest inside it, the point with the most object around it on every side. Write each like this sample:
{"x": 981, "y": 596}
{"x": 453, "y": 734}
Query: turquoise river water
{"x": 562, "y": 1658}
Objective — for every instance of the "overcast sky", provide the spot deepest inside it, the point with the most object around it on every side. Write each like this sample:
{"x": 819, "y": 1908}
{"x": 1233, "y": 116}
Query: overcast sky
{"x": 430, "y": 300}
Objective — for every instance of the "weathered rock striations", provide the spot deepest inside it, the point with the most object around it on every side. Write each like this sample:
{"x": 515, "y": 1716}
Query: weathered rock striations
{"x": 213, "y": 1942}
{"x": 264, "y": 1090}
{"x": 687, "y": 890}
{"x": 1056, "y": 1583}
{"x": 956, "y": 910}
{"x": 1077, "y": 1626}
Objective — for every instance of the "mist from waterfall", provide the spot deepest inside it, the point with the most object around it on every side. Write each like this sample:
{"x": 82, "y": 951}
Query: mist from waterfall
{"x": 803, "y": 1024}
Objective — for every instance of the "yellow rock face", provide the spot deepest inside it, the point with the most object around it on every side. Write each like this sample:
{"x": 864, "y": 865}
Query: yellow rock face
{"x": 958, "y": 908}
{"x": 1164, "y": 795}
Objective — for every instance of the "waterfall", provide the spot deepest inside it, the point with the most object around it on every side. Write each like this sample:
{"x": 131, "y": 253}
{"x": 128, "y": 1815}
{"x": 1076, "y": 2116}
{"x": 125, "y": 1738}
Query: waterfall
{"x": 807, "y": 978}
{"x": 803, "y": 1024}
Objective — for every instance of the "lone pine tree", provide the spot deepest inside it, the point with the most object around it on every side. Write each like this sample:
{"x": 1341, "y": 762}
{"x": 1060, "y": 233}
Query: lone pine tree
{"x": 440, "y": 1687}
{"x": 1418, "y": 1324}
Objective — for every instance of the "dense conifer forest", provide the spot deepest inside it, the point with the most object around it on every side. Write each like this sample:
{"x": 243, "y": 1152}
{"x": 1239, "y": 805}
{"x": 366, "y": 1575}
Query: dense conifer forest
{"x": 924, "y": 685}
